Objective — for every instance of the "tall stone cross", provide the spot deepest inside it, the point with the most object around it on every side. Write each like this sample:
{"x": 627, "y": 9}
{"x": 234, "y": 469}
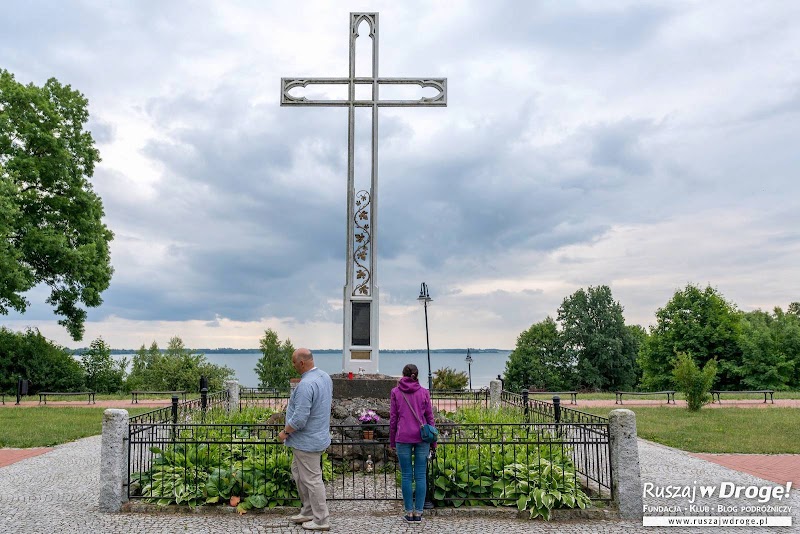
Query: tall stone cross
{"x": 360, "y": 349}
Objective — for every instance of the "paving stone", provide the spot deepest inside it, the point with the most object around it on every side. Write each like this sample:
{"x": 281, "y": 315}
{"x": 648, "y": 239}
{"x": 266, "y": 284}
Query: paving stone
{"x": 57, "y": 493}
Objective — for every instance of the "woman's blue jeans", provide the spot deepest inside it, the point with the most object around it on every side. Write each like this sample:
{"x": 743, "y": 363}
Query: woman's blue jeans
{"x": 413, "y": 458}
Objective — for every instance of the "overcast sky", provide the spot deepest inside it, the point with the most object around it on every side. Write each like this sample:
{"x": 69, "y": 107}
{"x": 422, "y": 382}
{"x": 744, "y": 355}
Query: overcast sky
{"x": 641, "y": 145}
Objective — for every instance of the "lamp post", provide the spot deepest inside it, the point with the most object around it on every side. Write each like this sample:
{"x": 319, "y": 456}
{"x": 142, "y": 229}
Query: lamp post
{"x": 469, "y": 367}
{"x": 424, "y": 298}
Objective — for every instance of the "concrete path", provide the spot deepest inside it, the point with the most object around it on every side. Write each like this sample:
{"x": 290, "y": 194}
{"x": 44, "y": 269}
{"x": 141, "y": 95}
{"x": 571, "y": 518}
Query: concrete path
{"x": 56, "y": 492}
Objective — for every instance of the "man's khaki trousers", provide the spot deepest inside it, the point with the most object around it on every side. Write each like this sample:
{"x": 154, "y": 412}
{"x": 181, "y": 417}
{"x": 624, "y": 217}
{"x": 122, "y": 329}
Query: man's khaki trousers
{"x": 307, "y": 474}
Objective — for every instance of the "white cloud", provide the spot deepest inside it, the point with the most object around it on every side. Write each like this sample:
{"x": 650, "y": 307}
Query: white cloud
{"x": 643, "y": 145}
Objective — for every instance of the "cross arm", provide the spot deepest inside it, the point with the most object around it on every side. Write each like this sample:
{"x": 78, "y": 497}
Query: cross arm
{"x": 440, "y": 99}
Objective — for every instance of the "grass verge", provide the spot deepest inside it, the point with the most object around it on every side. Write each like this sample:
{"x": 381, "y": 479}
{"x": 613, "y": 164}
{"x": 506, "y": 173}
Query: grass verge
{"x": 679, "y": 395}
{"x": 48, "y": 426}
{"x": 722, "y": 430}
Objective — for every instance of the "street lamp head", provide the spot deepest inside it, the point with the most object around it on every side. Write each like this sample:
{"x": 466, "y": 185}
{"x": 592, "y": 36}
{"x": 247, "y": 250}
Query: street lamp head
{"x": 424, "y": 297}
{"x": 468, "y": 359}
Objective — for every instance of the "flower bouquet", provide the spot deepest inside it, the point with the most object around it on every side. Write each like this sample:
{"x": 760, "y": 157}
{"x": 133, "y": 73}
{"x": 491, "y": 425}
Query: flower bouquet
{"x": 368, "y": 417}
{"x": 368, "y": 420}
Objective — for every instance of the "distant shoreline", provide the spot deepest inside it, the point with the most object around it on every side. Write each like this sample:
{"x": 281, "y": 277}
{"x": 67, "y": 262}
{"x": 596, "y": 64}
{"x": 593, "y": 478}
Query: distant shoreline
{"x": 318, "y": 351}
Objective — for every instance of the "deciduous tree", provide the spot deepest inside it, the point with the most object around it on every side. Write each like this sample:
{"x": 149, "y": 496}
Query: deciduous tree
{"x": 178, "y": 368}
{"x": 31, "y": 356}
{"x": 539, "y": 360}
{"x": 103, "y": 374}
{"x": 770, "y": 346}
{"x": 449, "y": 379}
{"x": 274, "y": 368}
{"x": 594, "y": 333}
{"x": 699, "y": 322}
{"x": 51, "y": 228}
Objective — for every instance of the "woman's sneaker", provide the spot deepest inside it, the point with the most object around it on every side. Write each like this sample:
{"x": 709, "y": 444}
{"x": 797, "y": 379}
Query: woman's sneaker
{"x": 409, "y": 518}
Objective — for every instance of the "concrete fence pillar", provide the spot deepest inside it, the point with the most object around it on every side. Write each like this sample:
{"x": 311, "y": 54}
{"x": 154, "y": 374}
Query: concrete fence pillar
{"x": 232, "y": 386}
{"x": 113, "y": 461}
{"x": 495, "y": 388}
{"x": 626, "y": 479}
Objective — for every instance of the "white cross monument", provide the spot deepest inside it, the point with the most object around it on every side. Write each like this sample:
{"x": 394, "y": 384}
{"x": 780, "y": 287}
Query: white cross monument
{"x": 360, "y": 349}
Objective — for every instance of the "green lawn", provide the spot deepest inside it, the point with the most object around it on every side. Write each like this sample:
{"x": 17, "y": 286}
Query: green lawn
{"x": 718, "y": 430}
{"x": 610, "y": 396}
{"x": 46, "y": 426}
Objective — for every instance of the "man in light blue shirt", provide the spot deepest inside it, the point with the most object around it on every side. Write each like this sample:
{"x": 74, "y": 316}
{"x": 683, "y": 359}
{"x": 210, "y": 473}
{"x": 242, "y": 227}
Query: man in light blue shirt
{"x": 307, "y": 432}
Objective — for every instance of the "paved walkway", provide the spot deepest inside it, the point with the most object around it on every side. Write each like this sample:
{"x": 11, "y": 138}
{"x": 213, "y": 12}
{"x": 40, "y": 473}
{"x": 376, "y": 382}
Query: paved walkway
{"x": 57, "y": 492}
{"x": 778, "y": 468}
{"x": 10, "y": 456}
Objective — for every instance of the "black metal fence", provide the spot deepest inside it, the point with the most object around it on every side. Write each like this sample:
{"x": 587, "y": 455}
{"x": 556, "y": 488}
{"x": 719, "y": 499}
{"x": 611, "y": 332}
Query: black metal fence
{"x": 473, "y": 464}
{"x": 587, "y": 433}
{"x": 263, "y": 397}
{"x": 453, "y": 400}
{"x": 175, "y": 457}
{"x": 192, "y": 463}
{"x": 182, "y": 411}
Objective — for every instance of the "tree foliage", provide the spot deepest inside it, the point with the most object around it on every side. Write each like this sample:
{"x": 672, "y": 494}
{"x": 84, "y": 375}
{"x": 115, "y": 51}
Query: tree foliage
{"x": 177, "y": 368}
{"x": 103, "y": 373}
{"x": 539, "y": 360}
{"x": 31, "y": 356}
{"x": 770, "y": 345}
{"x": 51, "y": 229}
{"x": 274, "y": 368}
{"x": 694, "y": 383}
{"x": 699, "y": 322}
{"x": 595, "y": 336}
{"x": 449, "y": 379}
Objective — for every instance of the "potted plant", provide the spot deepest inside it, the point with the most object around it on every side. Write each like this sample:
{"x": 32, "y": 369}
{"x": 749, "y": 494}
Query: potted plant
{"x": 368, "y": 419}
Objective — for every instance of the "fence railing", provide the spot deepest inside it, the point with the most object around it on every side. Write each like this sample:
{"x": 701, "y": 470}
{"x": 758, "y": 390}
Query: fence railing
{"x": 263, "y": 397}
{"x": 590, "y": 432}
{"x": 452, "y": 400}
{"x": 182, "y": 411}
{"x": 185, "y": 462}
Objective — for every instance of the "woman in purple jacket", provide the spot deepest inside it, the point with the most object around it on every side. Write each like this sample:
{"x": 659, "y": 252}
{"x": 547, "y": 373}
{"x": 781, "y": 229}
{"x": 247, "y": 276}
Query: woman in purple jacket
{"x": 411, "y": 407}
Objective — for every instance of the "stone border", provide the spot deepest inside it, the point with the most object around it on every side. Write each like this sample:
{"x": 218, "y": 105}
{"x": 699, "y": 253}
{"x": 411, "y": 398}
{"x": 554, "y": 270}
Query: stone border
{"x": 558, "y": 515}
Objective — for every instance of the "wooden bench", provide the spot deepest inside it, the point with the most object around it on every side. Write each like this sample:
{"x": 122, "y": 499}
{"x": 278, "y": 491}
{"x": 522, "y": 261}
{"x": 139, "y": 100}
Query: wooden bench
{"x": 43, "y": 395}
{"x": 670, "y": 395}
{"x": 766, "y": 392}
{"x": 573, "y": 395}
{"x": 135, "y": 394}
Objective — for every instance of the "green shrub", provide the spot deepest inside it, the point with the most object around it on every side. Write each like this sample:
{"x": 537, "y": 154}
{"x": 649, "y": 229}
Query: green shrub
{"x": 103, "y": 374}
{"x": 692, "y": 382}
{"x": 30, "y": 355}
{"x": 177, "y": 368}
{"x": 449, "y": 379}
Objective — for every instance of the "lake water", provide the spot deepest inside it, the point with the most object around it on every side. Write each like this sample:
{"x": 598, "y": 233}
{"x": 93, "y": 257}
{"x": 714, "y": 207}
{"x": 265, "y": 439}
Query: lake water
{"x": 485, "y": 365}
